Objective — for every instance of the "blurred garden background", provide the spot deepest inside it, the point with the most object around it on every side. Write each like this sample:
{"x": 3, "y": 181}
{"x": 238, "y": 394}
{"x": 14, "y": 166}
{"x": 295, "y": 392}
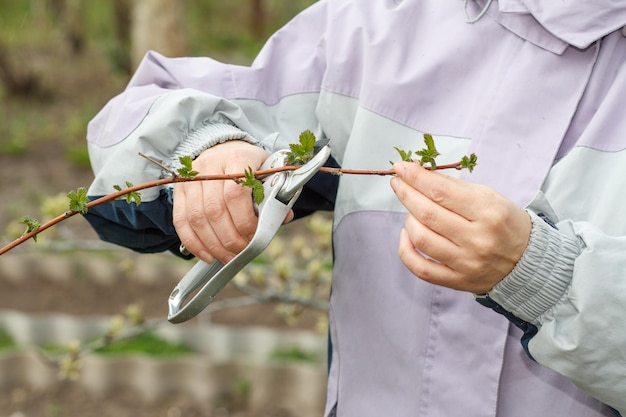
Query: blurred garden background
{"x": 66, "y": 299}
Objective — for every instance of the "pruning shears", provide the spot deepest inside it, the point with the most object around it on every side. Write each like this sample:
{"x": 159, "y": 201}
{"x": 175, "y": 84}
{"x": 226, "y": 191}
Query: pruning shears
{"x": 281, "y": 190}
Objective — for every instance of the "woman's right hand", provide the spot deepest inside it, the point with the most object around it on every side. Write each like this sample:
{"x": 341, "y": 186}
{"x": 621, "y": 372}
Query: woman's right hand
{"x": 216, "y": 219}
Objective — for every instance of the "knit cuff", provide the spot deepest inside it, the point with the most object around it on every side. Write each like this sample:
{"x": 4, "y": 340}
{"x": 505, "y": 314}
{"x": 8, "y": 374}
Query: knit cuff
{"x": 205, "y": 137}
{"x": 542, "y": 276}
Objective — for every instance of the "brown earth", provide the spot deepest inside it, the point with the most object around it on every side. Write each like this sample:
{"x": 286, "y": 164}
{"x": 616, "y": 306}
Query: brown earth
{"x": 69, "y": 400}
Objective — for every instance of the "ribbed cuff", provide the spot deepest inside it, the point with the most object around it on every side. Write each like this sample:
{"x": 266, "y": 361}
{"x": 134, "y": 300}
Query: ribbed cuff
{"x": 542, "y": 276}
{"x": 205, "y": 137}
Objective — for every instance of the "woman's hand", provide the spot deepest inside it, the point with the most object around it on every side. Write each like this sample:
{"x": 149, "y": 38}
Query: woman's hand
{"x": 458, "y": 234}
{"x": 216, "y": 219}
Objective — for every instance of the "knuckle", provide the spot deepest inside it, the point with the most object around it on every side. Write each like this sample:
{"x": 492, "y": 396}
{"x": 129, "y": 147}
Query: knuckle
{"x": 214, "y": 210}
{"x": 498, "y": 216}
{"x": 196, "y": 217}
{"x": 216, "y": 249}
{"x": 248, "y": 227}
{"x": 234, "y": 192}
{"x": 472, "y": 267}
{"x": 427, "y": 216}
{"x": 420, "y": 242}
{"x": 496, "y": 213}
{"x": 179, "y": 220}
{"x": 234, "y": 244}
{"x": 440, "y": 193}
{"x": 484, "y": 247}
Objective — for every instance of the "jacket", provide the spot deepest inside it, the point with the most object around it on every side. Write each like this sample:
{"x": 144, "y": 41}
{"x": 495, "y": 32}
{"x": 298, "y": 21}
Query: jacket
{"x": 536, "y": 89}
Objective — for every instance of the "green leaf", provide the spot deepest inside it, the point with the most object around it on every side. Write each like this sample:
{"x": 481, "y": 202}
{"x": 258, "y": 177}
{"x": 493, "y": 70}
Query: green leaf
{"x": 404, "y": 155}
{"x": 430, "y": 142}
{"x": 186, "y": 171}
{"x": 469, "y": 162}
{"x": 302, "y": 152}
{"x": 132, "y": 197}
{"x": 258, "y": 192}
{"x": 429, "y": 153}
{"x": 78, "y": 200}
{"x": 307, "y": 140}
{"x": 31, "y": 225}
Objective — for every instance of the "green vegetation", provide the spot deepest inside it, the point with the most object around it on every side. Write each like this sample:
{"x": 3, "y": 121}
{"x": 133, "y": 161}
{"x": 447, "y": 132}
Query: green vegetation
{"x": 72, "y": 88}
{"x": 146, "y": 343}
{"x": 6, "y": 341}
{"x": 294, "y": 354}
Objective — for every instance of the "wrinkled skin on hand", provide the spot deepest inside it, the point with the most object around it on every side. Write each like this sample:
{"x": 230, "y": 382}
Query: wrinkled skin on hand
{"x": 216, "y": 219}
{"x": 458, "y": 234}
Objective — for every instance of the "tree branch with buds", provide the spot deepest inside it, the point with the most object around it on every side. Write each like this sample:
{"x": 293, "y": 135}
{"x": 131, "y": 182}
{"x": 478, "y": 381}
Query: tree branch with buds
{"x": 299, "y": 154}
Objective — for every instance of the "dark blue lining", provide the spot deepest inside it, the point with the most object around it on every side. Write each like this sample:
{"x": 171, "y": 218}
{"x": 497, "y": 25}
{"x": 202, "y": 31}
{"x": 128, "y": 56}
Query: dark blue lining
{"x": 319, "y": 193}
{"x": 530, "y": 330}
{"x": 145, "y": 228}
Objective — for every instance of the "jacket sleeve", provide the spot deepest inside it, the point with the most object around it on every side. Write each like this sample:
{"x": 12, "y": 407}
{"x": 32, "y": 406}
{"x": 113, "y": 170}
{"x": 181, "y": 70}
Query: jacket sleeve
{"x": 181, "y": 106}
{"x": 567, "y": 293}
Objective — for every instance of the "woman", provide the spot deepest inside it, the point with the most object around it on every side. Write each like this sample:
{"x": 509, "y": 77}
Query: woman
{"x": 536, "y": 89}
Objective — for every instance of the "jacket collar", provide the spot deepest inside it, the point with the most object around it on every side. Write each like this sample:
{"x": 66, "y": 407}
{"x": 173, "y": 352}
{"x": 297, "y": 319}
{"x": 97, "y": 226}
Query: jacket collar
{"x": 553, "y": 25}
{"x": 578, "y": 22}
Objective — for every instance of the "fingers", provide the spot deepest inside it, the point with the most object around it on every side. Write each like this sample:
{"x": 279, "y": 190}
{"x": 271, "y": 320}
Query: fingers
{"x": 443, "y": 190}
{"x": 424, "y": 267}
{"x": 427, "y": 212}
{"x": 430, "y": 243}
{"x": 216, "y": 219}
{"x": 204, "y": 222}
{"x": 457, "y": 234}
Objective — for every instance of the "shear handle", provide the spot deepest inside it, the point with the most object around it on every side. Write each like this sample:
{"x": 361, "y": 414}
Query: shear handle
{"x": 216, "y": 275}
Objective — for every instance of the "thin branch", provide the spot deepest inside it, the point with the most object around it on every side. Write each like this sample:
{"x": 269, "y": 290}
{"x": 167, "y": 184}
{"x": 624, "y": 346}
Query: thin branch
{"x": 102, "y": 342}
{"x": 163, "y": 167}
{"x": 287, "y": 298}
{"x": 176, "y": 179}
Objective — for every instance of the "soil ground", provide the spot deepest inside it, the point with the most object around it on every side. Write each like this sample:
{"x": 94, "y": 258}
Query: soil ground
{"x": 40, "y": 291}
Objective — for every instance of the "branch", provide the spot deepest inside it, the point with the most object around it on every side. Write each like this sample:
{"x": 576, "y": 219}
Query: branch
{"x": 284, "y": 297}
{"x": 176, "y": 179}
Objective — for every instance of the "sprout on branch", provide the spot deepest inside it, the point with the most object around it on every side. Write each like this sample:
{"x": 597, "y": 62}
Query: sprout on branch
{"x": 131, "y": 197}
{"x": 302, "y": 152}
{"x": 258, "y": 192}
{"x": 469, "y": 162}
{"x": 78, "y": 200}
{"x": 186, "y": 171}
{"x": 31, "y": 225}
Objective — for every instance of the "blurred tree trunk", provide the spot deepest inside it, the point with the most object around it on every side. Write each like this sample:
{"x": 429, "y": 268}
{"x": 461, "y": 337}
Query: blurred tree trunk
{"x": 17, "y": 83}
{"x": 69, "y": 13}
{"x": 157, "y": 25}
{"x": 122, "y": 17}
{"x": 257, "y": 19}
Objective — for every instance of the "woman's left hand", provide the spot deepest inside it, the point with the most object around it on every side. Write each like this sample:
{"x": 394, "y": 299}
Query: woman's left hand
{"x": 458, "y": 234}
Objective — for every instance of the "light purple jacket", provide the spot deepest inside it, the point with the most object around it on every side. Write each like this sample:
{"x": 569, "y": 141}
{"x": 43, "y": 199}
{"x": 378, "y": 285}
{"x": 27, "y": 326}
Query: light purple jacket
{"x": 536, "y": 88}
